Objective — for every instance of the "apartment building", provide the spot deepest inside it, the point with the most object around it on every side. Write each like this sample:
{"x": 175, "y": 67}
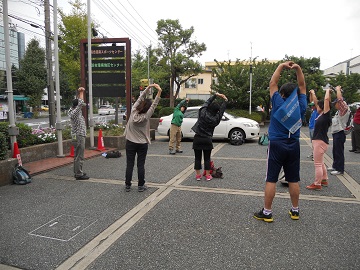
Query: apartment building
{"x": 17, "y": 47}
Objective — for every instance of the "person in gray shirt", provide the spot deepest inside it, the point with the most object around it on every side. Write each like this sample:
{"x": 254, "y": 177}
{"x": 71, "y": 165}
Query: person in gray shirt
{"x": 137, "y": 134}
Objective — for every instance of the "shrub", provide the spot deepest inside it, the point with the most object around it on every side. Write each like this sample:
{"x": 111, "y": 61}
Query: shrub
{"x": 165, "y": 102}
{"x": 3, "y": 146}
{"x": 166, "y": 111}
{"x": 45, "y": 135}
{"x": 25, "y": 137}
{"x": 256, "y": 116}
{"x": 114, "y": 131}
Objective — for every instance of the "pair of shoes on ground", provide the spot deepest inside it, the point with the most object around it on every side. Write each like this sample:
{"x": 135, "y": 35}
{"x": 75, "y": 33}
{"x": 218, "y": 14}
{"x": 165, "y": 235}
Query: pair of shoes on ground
{"x": 313, "y": 186}
{"x": 140, "y": 188}
{"x": 173, "y": 152}
{"x": 198, "y": 177}
{"x": 82, "y": 177}
{"x": 294, "y": 215}
{"x": 334, "y": 171}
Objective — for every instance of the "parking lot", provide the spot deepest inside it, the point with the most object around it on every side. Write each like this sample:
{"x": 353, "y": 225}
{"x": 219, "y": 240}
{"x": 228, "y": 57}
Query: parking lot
{"x": 57, "y": 222}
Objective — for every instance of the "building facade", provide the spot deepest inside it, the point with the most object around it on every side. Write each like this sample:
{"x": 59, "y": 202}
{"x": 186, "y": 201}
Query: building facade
{"x": 346, "y": 67}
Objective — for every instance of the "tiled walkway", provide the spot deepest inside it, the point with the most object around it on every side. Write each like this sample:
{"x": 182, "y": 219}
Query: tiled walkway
{"x": 48, "y": 164}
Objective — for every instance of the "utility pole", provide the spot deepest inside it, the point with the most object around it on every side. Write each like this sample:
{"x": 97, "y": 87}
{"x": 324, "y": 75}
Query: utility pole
{"x": 250, "y": 77}
{"x": 50, "y": 82}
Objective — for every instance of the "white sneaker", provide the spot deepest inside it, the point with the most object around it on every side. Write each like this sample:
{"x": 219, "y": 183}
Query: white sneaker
{"x": 336, "y": 173}
{"x": 330, "y": 169}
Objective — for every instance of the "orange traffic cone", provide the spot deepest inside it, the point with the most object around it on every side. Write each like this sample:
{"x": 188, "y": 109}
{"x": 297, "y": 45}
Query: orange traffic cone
{"x": 101, "y": 146}
{"x": 72, "y": 150}
{"x": 17, "y": 153}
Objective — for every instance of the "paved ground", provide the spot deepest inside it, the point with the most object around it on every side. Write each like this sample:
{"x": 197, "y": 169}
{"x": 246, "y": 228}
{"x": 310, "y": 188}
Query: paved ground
{"x": 57, "y": 222}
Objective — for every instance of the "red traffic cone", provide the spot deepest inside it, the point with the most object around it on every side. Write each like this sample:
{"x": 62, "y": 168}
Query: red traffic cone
{"x": 101, "y": 146}
{"x": 17, "y": 153}
{"x": 72, "y": 150}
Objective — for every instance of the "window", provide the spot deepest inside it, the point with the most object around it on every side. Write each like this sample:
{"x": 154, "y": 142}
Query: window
{"x": 200, "y": 81}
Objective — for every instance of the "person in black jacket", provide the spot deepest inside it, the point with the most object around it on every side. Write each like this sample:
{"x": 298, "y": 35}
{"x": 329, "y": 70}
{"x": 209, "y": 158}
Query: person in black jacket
{"x": 210, "y": 115}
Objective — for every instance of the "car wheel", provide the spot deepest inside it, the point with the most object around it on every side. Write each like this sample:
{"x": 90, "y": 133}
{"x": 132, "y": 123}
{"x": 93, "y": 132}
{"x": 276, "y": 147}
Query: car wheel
{"x": 237, "y": 136}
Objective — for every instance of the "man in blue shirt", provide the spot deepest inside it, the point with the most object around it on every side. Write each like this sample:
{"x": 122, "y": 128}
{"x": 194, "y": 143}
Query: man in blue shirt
{"x": 288, "y": 109}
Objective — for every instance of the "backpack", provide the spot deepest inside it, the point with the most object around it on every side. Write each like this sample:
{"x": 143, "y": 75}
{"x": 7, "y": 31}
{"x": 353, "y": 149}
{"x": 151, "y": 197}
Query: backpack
{"x": 264, "y": 139}
{"x": 217, "y": 173}
{"x": 20, "y": 175}
{"x": 349, "y": 124}
{"x": 113, "y": 154}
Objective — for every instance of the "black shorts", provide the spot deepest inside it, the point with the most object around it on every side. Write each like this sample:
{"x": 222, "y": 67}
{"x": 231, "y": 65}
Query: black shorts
{"x": 283, "y": 153}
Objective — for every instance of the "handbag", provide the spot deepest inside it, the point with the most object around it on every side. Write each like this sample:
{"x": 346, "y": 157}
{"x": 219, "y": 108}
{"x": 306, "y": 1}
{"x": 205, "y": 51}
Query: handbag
{"x": 264, "y": 139}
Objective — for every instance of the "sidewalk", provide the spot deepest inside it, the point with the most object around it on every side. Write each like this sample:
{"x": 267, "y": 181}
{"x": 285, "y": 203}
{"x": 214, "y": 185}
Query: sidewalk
{"x": 57, "y": 222}
{"x": 45, "y": 165}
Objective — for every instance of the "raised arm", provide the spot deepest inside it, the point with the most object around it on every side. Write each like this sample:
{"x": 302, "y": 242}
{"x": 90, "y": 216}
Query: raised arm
{"x": 300, "y": 78}
{"x": 142, "y": 96}
{"x": 273, "y": 85}
{"x": 327, "y": 100}
{"x": 343, "y": 107}
{"x": 313, "y": 97}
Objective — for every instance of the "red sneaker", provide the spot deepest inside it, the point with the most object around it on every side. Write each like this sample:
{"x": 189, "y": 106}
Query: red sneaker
{"x": 314, "y": 187}
{"x": 324, "y": 183}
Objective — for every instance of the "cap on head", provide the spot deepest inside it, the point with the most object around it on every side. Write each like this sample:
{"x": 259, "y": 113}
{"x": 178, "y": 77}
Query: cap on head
{"x": 311, "y": 104}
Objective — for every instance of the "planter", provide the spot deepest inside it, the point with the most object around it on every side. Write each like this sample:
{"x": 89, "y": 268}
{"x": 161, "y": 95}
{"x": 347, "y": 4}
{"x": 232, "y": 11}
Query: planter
{"x": 6, "y": 169}
{"x": 49, "y": 150}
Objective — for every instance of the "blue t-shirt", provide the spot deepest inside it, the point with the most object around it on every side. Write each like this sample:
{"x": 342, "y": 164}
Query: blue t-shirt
{"x": 313, "y": 116}
{"x": 276, "y": 130}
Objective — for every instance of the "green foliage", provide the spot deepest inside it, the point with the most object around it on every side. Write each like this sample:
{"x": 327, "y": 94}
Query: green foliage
{"x": 25, "y": 137}
{"x": 256, "y": 116}
{"x": 115, "y": 130}
{"x": 72, "y": 29}
{"x": 31, "y": 77}
{"x": 166, "y": 111}
{"x": 165, "y": 102}
{"x": 350, "y": 84}
{"x": 234, "y": 80}
{"x": 176, "y": 52}
{"x": 3, "y": 146}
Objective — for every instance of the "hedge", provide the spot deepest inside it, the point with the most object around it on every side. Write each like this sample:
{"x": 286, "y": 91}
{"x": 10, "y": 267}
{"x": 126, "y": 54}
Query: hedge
{"x": 3, "y": 146}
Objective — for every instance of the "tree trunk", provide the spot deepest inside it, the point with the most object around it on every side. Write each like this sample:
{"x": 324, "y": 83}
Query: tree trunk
{"x": 172, "y": 100}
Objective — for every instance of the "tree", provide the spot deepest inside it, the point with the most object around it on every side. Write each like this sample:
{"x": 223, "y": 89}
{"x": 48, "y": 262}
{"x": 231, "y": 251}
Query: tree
{"x": 350, "y": 84}
{"x": 139, "y": 70}
{"x": 31, "y": 75}
{"x": 234, "y": 79}
{"x": 175, "y": 51}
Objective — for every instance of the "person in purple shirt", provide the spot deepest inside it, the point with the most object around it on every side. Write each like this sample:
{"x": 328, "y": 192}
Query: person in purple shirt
{"x": 284, "y": 146}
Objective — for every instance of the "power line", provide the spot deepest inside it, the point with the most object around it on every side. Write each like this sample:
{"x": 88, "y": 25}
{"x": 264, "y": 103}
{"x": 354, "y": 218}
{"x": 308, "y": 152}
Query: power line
{"x": 141, "y": 17}
{"x": 119, "y": 23}
{"x": 149, "y": 35}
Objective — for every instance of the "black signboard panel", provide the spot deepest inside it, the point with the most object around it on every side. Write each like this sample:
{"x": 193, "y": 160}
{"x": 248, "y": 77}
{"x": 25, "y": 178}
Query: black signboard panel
{"x": 110, "y": 64}
{"x": 109, "y": 91}
{"x": 107, "y": 51}
{"x": 108, "y": 78}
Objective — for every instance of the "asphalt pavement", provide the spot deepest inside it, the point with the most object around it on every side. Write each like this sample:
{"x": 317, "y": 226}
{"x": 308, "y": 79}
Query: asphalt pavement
{"x": 57, "y": 222}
